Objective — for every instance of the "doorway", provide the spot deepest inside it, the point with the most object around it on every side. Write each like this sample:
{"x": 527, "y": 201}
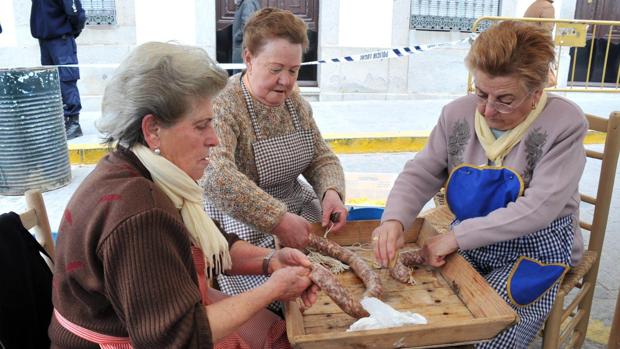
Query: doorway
{"x": 306, "y": 10}
{"x": 597, "y": 43}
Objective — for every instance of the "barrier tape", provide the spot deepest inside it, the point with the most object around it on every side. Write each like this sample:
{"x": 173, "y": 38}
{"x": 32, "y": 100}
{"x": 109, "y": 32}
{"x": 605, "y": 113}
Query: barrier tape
{"x": 393, "y": 52}
{"x": 364, "y": 57}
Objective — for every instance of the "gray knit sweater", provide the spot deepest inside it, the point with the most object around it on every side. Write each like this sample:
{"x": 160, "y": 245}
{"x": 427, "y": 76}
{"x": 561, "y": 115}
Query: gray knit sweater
{"x": 550, "y": 158}
{"x": 231, "y": 177}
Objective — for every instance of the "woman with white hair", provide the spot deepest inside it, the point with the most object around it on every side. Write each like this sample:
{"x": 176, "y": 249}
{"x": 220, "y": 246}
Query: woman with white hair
{"x": 135, "y": 245}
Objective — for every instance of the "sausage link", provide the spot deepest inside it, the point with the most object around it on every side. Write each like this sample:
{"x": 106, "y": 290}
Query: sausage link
{"x": 411, "y": 258}
{"x": 334, "y": 289}
{"x": 371, "y": 280}
{"x": 402, "y": 273}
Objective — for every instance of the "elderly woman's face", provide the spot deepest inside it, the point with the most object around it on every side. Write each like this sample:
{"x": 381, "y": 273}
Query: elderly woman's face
{"x": 272, "y": 73}
{"x": 506, "y": 94}
{"x": 187, "y": 142}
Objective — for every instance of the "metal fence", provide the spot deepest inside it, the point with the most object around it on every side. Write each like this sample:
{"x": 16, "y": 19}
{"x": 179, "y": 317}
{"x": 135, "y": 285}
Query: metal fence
{"x": 593, "y": 64}
{"x": 448, "y": 15}
{"x": 100, "y": 12}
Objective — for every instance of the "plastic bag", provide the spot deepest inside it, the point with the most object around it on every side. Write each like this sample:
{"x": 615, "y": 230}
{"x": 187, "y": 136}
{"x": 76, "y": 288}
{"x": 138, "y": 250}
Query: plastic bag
{"x": 383, "y": 316}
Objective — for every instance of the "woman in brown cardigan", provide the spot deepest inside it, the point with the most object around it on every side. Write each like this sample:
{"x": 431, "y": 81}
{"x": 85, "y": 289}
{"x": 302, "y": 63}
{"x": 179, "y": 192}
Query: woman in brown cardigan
{"x": 135, "y": 245}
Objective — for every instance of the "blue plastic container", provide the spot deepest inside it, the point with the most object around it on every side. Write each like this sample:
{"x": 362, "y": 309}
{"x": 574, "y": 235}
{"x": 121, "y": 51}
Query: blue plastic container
{"x": 364, "y": 213}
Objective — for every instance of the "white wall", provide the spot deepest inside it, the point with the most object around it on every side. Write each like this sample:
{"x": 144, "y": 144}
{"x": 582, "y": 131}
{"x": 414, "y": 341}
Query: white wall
{"x": 362, "y": 26}
{"x": 188, "y": 21}
{"x": 346, "y": 27}
{"x": 7, "y": 20}
{"x": 365, "y": 23}
{"x": 166, "y": 21}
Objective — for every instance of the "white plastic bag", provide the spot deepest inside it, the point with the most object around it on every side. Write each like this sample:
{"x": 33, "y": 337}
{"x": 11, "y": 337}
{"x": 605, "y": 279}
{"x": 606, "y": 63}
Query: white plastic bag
{"x": 383, "y": 316}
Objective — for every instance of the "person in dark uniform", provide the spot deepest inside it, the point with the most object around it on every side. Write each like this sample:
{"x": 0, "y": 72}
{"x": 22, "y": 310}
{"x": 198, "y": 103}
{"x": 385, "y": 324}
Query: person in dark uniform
{"x": 245, "y": 8}
{"x": 56, "y": 23}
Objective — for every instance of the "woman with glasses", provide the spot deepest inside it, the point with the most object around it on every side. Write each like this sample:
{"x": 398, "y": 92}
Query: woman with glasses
{"x": 511, "y": 157}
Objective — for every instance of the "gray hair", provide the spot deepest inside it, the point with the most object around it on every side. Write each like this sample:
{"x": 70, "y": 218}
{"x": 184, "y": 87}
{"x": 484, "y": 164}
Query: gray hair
{"x": 163, "y": 79}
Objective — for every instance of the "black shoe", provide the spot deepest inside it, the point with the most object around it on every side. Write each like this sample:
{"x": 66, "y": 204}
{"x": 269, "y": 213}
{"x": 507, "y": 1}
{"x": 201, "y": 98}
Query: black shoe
{"x": 73, "y": 130}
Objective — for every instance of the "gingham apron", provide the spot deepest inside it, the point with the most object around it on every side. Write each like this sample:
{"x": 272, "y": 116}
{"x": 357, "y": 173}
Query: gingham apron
{"x": 279, "y": 162}
{"x": 508, "y": 266}
{"x": 496, "y": 262}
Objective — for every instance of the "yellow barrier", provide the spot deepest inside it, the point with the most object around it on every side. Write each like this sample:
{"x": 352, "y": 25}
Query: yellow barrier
{"x": 362, "y": 143}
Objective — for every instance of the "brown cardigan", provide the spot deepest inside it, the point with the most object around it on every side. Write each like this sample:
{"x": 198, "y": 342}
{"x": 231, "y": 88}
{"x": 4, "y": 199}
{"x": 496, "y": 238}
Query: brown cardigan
{"x": 124, "y": 264}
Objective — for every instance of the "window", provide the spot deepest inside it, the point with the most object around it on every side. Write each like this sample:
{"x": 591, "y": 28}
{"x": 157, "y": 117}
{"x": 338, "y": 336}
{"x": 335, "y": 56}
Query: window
{"x": 100, "y": 12}
{"x": 447, "y": 15}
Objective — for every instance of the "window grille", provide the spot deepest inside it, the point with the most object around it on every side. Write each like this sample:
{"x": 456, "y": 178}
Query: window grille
{"x": 100, "y": 12}
{"x": 448, "y": 15}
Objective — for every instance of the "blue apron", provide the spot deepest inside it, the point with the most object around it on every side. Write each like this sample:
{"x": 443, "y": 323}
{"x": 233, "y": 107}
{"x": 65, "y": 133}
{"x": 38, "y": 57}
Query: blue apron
{"x": 524, "y": 271}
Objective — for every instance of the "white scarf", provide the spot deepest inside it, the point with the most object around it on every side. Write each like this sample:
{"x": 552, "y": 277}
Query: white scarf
{"x": 187, "y": 196}
{"x": 496, "y": 149}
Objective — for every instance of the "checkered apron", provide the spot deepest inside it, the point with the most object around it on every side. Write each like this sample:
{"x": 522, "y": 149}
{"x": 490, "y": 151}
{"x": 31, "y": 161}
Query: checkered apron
{"x": 279, "y": 161}
{"x": 495, "y": 262}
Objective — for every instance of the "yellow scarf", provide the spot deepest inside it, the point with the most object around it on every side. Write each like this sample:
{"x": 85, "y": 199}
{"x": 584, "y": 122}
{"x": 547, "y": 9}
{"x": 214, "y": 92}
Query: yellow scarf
{"x": 187, "y": 196}
{"x": 497, "y": 149}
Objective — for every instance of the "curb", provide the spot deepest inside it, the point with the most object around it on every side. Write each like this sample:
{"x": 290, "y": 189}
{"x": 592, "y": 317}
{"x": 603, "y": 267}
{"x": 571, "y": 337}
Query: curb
{"x": 360, "y": 143}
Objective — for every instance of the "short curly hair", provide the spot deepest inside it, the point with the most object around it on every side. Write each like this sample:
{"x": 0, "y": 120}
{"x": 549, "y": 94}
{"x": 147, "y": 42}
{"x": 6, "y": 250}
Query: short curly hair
{"x": 270, "y": 23}
{"x": 512, "y": 48}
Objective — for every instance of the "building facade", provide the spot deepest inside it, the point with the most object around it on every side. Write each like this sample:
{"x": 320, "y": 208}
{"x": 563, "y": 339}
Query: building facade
{"x": 337, "y": 28}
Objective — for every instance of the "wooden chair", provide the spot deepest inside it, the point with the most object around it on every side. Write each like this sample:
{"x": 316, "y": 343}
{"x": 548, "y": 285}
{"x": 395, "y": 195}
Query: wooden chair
{"x": 614, "y": 335}
{"x": 36, "y": 218}
{"x": 568, "y": 321}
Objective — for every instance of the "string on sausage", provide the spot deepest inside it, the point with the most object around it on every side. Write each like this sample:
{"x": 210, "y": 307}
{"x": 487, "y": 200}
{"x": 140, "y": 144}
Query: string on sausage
{"x": 401, "y": 269}
{"x": 402, "y": 273}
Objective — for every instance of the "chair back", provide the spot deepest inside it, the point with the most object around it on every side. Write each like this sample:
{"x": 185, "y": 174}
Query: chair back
{"x": 35, "y": 218}
{"x": 609, "y": 163}
{"x": 568, "y": 320}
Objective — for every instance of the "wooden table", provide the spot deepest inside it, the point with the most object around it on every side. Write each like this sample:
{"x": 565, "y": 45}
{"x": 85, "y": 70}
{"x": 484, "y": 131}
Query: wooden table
{"x": 458, "y": 303}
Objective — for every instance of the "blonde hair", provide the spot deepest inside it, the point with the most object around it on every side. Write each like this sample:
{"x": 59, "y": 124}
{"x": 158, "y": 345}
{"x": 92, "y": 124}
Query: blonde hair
{"x": 163, "y": 79}
{"x": 271, "y": 23}
{"x": 512, "y": 48}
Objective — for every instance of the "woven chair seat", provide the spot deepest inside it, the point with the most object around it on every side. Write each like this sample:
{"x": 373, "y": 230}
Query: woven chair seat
{"x": 440, "y": 218}
{"x": 576, "y": 273}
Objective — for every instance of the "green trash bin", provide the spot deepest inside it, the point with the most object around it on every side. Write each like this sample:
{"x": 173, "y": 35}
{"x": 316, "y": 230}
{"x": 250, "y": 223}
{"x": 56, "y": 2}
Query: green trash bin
{"x": 33, "y": 145}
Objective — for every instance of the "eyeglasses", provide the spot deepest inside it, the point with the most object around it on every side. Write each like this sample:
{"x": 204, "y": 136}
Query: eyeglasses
{"x": 502, "y": 108}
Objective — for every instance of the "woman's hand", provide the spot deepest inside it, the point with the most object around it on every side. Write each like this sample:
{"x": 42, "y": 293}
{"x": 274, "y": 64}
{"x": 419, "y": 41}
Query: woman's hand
{"x": 388, "y": 238}
{"x": 290, "y": 282}
{"x": 309, "y": 297}
{"x": 333, "y": 204}
{"x": 288, "y": 257}
{"x": 292, "y": 230}
{"x": 438, "y": 247}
